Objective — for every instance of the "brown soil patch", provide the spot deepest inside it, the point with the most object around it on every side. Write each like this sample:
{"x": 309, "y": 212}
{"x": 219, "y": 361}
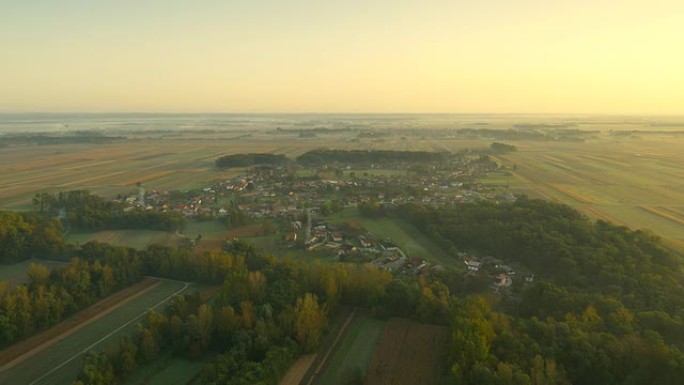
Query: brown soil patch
{"x": 409, "y": 353}
{"x": 245, "y": 231}
{"x": 28, "y": 347}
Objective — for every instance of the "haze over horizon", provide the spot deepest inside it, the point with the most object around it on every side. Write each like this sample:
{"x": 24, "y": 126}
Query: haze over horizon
{"x": 303, "y": 56}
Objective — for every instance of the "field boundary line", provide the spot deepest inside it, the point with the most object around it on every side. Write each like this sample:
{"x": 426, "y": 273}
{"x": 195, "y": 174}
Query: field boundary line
{"x": 87, "y": 348}
{"x": 37, "y": 343}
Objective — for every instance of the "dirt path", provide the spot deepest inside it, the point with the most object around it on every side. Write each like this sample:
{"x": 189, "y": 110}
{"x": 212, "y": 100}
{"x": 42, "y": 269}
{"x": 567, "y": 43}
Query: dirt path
{"x": 22, "y": 350}
{"x": 322, "y": 359}
{"x": 298, "y": 370}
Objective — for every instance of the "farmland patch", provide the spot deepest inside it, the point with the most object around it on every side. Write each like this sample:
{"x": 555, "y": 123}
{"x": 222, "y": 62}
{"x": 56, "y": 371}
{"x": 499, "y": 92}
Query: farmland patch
{"x": 409, "y": 353}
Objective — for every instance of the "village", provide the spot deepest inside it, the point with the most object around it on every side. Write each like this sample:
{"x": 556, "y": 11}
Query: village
{"x": 293, "y": 205}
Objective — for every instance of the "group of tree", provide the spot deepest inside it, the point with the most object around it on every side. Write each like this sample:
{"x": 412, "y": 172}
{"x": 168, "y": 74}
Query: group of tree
{"x": 81, "y": 210}
{"x": 265, "y": 313}
{"x": 50, "y": 296}
{"x": 501, "y": 148}
{"x": 69, "y": 138}
{"x": 323, "y": 157}
{"x": 24, "y": 236}
{"x": 253, "y": 159}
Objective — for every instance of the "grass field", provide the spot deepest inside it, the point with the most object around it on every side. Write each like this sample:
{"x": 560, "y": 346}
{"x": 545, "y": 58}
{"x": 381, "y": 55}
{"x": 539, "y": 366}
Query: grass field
{"x": 354, "y": 355}
{"x": 409, "y": 353}
{"x": 208, "y": 229}
{"x": 140, "y": 239}
{"x": 15, "y": 274}
{"x": 167, "y": 370}
{"x": 399, "y": 232}
{"x": 60, "y": 362}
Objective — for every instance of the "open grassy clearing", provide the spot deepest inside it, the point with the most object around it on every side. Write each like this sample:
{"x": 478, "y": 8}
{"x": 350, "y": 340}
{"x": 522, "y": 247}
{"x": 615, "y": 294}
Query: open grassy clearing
{"x": 409, "y": 353}
{"x": 352, "y": 358}
{"x": 208, "y": 229}
{"x": 399, "y": 232}
{"x": 60, "y": 362}
{"x": 15, "y": 274}
{"x": 167, "y": 370}
{"x": 138, "y": 239}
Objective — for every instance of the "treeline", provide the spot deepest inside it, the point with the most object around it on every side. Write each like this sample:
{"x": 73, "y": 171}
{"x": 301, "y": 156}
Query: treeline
{"x": 543, "y": 126}
{"x": 265, "y": 313}
{"x": 45, "y": 139}
{"x": 315, "y": 130}
{"x": 607, "y": 304}
{"x": 246, "y": 160}
{"x": 82, "y": 210}
{"x": 50, "y": 296}
{"x": 326, "y": 157}
{"x": 524, "y": 132}
{"x": 24, "y": 236}
{"x": 501, "y": 148}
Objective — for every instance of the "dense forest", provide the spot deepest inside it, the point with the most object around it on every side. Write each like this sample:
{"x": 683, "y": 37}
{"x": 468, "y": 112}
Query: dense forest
{"x": 606, "y": 307}
{"x": 323, "y": 157}
{"x": 246, "y": 160}
{"x": 265, "y": 313}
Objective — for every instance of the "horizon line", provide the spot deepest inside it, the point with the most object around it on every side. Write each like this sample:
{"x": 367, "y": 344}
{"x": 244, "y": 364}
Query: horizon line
{"x": 603, "y": 114}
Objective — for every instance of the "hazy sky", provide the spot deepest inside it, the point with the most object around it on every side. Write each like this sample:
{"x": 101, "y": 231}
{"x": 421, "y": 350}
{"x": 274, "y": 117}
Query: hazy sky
{"x": 546, "y": 56}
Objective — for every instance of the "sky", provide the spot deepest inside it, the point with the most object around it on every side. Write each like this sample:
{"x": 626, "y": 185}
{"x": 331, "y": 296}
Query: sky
{"x": 370, "y": 56}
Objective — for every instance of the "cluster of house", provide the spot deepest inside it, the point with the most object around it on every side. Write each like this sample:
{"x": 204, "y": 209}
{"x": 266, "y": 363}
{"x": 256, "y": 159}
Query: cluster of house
{"x": 501, "y": 273}
{"x": 277, "y": 191}
{"x": 359, "y": 246}
{"x": 394, "y": 260}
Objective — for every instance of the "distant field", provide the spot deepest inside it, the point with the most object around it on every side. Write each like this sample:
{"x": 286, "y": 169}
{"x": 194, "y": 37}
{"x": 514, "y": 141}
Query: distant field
{"x": 60, "y": 362}
{"x": 15, "y": 274}
{"x": 636, "y": 182}
{"x": 409, "y": 353}
{"x": 354, "y": 355}
{"x": 161, "y": 163}
{"x": 115, "y": 168}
